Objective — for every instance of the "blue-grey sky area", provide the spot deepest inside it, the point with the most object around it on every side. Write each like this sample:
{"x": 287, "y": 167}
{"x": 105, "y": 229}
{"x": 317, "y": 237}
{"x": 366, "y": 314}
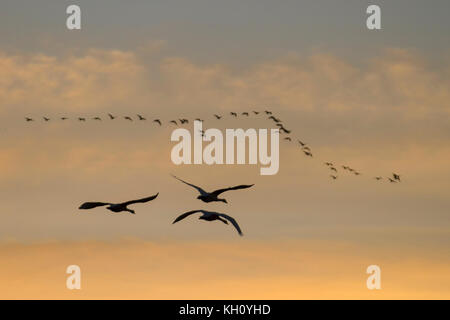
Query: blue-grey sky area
{"x": 232, "y": 31}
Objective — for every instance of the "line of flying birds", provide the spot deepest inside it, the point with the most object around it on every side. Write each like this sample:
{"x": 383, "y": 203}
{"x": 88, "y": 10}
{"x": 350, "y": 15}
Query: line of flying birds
{"x": 305, "y": 148}
{"x": 204, "y": 196}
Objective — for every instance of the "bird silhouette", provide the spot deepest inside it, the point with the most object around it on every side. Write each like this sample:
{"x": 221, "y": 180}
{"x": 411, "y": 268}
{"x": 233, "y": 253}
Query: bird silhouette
{"x": 97, "y": 118}
{"x": 301, "y": 143}
{"x": 81, "y": 119}
{"x": 256, "y": 112}
{"x": 174, "y": 122}
{"x": 234, "y": 114}
{"x": 396, "y": 177}
{"x": 307, "y": 153}
{"x": 111, "y": 116}
{"x": 64, "y": 118}
{"x": 287, "y": 139}
{"x": 183, "y": 121}
{"x": 274, "y": 119}
{"x": 392, "y": 180}
{"x": 128, "y": 118}
{"x": 213, "y": 196}
{"x": 116, "y": 207}
{"x": 141, "y": 117}
{"x": 268, "y": 112}
{"x": 46, "y": 119}
{"x": 28, "y": 119}
{"x": 333, "y": 169}
{"x": 328, "y": 164}
{"x": 245, "y": 114}
{"x": 157, "y": 121}
{"x": 378, "y": 178}
{"x": 218, "y": 117}
{"x": 211, "y": 216}
{"x": 334, "y": 177}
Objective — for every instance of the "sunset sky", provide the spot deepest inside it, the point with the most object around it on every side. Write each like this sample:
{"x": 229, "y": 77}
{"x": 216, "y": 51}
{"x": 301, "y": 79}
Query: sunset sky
{"x": 377, "y": 101}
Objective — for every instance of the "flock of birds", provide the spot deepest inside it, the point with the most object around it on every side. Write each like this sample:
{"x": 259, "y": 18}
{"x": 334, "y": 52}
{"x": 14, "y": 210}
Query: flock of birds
{"x": 204, "y": 196}
{"x": 305, "y": 148}
{"x": 214, "y": 195}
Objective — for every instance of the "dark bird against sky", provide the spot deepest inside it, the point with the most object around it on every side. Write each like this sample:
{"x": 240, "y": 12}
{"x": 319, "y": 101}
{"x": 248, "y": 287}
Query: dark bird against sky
{"x": 213, "y": 196}
{"x": 116, "y": 207}
{"x": 211, "y": 216}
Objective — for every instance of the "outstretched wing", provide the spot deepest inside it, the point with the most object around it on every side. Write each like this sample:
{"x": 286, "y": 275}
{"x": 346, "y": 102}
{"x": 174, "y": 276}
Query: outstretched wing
{"x": 233, "y": 222}
{"x": 242, "y": 186}
{"x": 143, "y": 200}
{"x": 91, "y": 205}
{"x": 202, "y": 192}
{"x": 186, "y": 214}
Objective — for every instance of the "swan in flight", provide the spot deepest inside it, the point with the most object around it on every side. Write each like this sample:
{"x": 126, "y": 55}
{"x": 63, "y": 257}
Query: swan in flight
{"x": 116, "y": 207}
{"x": 212, "y": 196}
{"x": 211, "y": 216}
{"x": 157, "y": 121}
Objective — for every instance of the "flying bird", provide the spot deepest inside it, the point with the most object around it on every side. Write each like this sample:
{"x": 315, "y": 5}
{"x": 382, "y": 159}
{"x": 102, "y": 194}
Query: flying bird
{"x": 211, "y": 216}
{"x": 116, "y": 207}
{"x": 334, "y": 177}
{"x": 268, "y": 112}
{"x": 333, "y": 169}
{"x": 64, "y": 118}
{"x": 46, "y": 119}
{"x": 141, "y": 117}
{"x": 307, "y": 153}
{"x": 288, "y": 139}
{"x": 329, "y": 164}
{"x": 81, "y": 119}
{"x": 97, "y": 118}
{"x": 245, "y": 114}
{"x": 157, "y": 121}
{"x": 213, "y": 196}
{"x": 378, "y": 178}
{"x": 285, "y": 130}
{"x": 274, "y": 119}
{"x": 28, "y": 119}
{"x": 128, "y": 118}
{"x": 392, "y": 180}
{"x": 183, "y": 121}
{"x": 396, "y": 176}
{"x": 111, "y": 116}
{"x": 218, "y": 117}
{"x": 234, "y": 114}
{"x": 174, "y": 122}
{"x": 256, "y": 112}
{"x": 301, "y": 143}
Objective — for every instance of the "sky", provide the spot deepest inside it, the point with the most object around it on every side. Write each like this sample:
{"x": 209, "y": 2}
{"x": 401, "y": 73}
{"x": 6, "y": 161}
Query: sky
{"x": 377, "y": 101}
